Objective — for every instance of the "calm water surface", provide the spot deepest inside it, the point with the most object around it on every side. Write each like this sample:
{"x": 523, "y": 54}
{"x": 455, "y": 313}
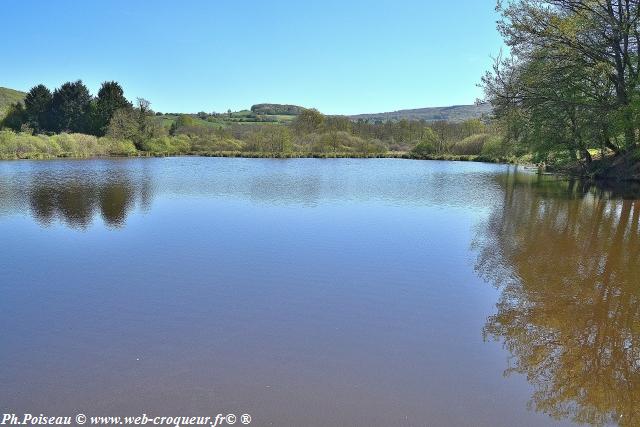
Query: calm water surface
{"x": 318, "y": 292}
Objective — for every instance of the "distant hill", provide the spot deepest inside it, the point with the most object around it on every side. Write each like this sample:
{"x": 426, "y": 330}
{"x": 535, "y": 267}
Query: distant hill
{"x": 8, "y": 97}
{"x": 285, "y": 112}
{"x": 455, "y": 113}
{"x": 277, "y": 109}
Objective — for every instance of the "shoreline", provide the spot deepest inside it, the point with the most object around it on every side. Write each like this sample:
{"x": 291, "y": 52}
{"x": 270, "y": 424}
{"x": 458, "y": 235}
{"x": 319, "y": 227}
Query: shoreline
{"x": 594, "y": 173}
{"x": 271, "y": 155}
{"x": 621, "y": 168}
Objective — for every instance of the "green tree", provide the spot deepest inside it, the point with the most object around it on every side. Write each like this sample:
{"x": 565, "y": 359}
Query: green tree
{"x": 123, "y": 125}
{"x": 37, "y": 105}
{"x": 110, "y": 99}
{"x": 271, "y": 139}
{"x": 137, "y": 125}
{"x": 308, "y": 121}
{"x": 183, "y": 121}
{"x": 427, "y": 143}
{"x": 600, "y": 35}
{"x": 550, "y": 105}
{"x": 71, "y": 108}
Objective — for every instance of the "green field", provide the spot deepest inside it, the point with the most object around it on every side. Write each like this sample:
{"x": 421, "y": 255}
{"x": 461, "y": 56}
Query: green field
{"x": 223, "y": 120}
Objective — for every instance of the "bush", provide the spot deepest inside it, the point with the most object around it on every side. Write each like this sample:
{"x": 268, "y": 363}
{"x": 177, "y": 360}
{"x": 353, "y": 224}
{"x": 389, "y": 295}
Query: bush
{"x": 117, "y": 147}
{"x": 471, "y": 145}
{"x": 339, "y": 142}
{"x": 167, "y": 145}
{"x": 214, "y": 143}
{"x": 424, "y": 148}
{"x": 24, "y": 145}
{"x": 427, "y": 143}
{"x": 270, "y": 138}
{"x": 77, "y": 144}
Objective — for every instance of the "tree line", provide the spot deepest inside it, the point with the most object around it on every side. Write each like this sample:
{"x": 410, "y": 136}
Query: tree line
{"x": 72, "y": 109}
{"x": 331, "y": 133}
{"x": 569, "y": 87}
{"x": 70, "y": 114}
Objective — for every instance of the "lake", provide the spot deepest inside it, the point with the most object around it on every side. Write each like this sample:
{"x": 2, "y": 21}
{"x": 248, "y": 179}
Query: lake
{"x": 307, "y": 292}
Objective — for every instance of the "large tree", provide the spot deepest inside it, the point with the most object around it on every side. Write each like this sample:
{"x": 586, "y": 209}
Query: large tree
{"x": 110, "y": 99}
{"x": 135, "y": 124}
{"x": 37, "y": 105}
{"x": 71, "y": 107}
{"x": 574, "y": 64}
{"x": 309, "y": 120}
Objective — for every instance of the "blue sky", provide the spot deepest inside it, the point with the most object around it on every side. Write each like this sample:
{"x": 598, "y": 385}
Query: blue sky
{"x": 342, "y": 57}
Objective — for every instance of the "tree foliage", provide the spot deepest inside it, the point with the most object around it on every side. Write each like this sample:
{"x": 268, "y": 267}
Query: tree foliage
{"x": 135, "y": 124}
{"x": 570, "y": 83}
{"x": 309, "y": 120}
{"x": 37, "y": 105}
{"x": 109, "y": 100}
{"x": 71, "y": 108}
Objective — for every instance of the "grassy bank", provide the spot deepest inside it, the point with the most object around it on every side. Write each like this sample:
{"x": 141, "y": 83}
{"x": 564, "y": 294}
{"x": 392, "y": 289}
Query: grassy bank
{"x": 22, "y": 145}
{"x": 26, "y": 146}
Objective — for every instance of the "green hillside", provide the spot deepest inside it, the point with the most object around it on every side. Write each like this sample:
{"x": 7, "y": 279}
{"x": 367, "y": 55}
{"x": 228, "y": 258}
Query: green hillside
{"x": 222, "y": 120}
{"x": 277, "y": 109}
{"x": 455, "y": 114}
{"x": 8, "y": 97}
{"x": 284, "y": 113}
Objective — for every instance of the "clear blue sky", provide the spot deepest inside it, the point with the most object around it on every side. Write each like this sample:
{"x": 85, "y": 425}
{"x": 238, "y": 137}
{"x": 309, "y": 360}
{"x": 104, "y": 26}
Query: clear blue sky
{"x": 342, "y": 57}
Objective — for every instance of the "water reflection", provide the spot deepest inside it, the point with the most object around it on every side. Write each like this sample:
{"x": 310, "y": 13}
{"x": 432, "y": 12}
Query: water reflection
{"x": 566, "y": 258}
{"x": 75, "y": 199}
{"x": 74, "y": 193}
{"x": 76, "y": 204}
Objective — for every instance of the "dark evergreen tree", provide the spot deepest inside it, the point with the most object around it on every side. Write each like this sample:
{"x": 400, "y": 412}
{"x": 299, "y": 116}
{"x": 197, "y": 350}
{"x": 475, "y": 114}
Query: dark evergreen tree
{"x": 71, "y": 108}
{"x": 110, "y": 99}
{"x": 37, "y": 105}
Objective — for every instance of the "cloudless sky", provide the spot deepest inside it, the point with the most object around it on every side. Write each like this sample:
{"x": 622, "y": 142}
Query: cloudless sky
{"x": 342, "y": 57}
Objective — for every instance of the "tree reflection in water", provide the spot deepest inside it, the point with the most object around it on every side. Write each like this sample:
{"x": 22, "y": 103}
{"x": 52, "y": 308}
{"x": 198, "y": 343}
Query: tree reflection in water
{"x": 76, "y": 202}
{"x": 567, "y": 260}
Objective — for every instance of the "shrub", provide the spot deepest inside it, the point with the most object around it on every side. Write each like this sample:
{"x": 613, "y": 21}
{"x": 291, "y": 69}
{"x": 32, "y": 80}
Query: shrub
{"x": 495, "y": 146}
{"x": 24, "y": 145}
{"x": 427, "y": 143}
{"x": 77, "y": 144}
{"x": 117, "y": 147}
{"x": 270, "y": 138}
{"x": 424, "y": 148}
{"x": 214, "y": 143}
{"x": 471, "y": 145}
{"x": 167, "y": 145}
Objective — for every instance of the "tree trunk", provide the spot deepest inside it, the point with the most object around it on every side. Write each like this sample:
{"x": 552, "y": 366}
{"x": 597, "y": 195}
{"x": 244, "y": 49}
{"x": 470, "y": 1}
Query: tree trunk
{"x": 629, "y": 131}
